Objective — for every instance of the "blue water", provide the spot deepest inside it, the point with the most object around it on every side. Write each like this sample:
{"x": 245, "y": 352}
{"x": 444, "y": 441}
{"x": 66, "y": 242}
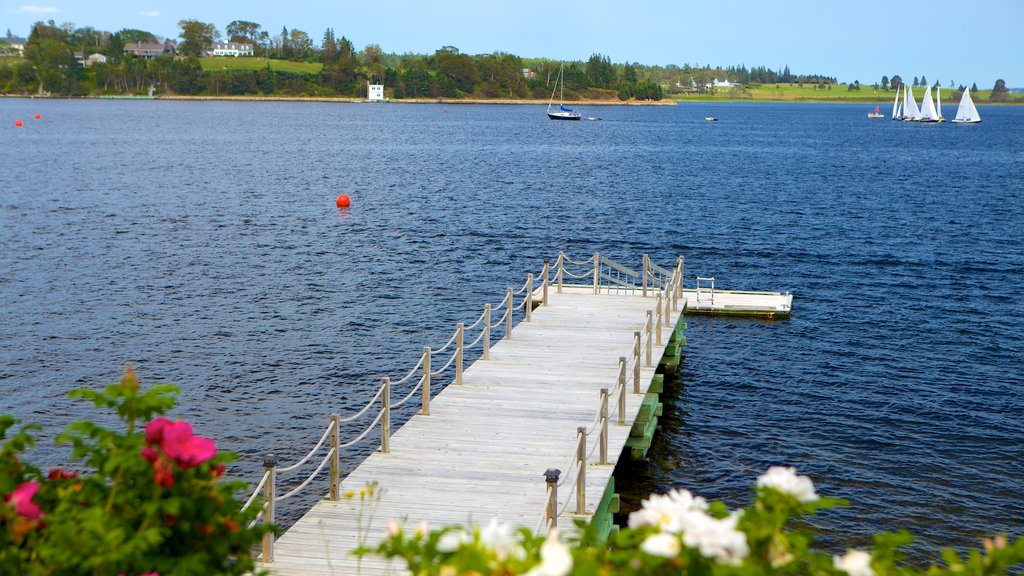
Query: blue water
{"x": 199, "y": 242}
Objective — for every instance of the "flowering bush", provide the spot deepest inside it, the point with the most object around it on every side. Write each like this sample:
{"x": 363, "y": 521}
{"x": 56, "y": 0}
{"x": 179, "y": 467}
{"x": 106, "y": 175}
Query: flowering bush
{"x": 678, "y": 533}
{"x": 147, "y": 501}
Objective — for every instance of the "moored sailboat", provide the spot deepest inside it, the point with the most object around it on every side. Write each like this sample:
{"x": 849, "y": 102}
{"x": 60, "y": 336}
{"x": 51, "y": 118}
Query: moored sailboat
{"x": 911, "y": 113}
{"x": 897, "y": 111}
{"x": 928, "y": 113}
{"x": 562, "y": 113}
{"x": 967, "y": 112}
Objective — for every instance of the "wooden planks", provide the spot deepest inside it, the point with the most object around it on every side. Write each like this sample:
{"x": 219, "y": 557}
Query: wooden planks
{"x": 482, "y": 452}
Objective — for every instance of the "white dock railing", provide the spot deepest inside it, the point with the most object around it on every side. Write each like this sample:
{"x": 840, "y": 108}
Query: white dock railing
{"x": 600, "y": 274}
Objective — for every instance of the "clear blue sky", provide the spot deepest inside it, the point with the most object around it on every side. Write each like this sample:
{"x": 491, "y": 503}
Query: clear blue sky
{"x": 962, "y": 40}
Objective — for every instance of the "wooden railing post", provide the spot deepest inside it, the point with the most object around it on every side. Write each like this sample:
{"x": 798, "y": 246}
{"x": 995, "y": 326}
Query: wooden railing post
{"x": 561, "y": 270}
{"x": 336, "y": 458}
{"x": 385, "y": 419}
{"x": 650, "y": 329}
{"x": 508, "y": 314}
{"x": 581, "y": 465}
{"x": 644, "y": 274}
{"x": 551, "y": 511}
{"x": 426, "y": 381}
{"x": 529, "y": 296}
{"x": 622, "y": 390}
{"x": 669, "y": 295}
{"x": 604, "y": 427}
{"x": 636, "y": 362}
{"x": 597, "y": 272}
{"x": 459, "y": 335}
{"x": 487, "y": 331}
{"x": 657, "y": 323}
{"x": 547, "y": 280}
{"x": 270, "y": 469}
{"x": 681, "y": 278}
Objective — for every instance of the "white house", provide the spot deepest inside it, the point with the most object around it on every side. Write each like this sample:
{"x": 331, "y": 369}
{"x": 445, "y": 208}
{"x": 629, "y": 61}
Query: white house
{"x": 722, "y": 83}
{"x": 375, "y": 92}
{"x": 12, "y": 46}
{"x": 230, "y": 49}
{"x": 92, "y": 59}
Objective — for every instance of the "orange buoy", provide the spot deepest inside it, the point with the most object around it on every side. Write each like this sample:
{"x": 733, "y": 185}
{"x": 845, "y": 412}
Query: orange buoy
{"x": 18, "y": 124}
{"x": 343, "y": 201}
{"x": 38, "y": 115}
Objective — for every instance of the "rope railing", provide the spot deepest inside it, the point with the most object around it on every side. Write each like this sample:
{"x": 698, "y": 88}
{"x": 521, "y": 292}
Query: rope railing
{"x": 603, "y": 273}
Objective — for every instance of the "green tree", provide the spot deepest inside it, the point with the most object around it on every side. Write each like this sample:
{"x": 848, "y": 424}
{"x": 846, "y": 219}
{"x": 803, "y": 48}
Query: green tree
{"x": 48, "y": 51}
{"x": 999, "y": 91}
{"x": 301, "y": 45}
{"x": 916, "y": 82}
{"x": 243, "y": 32}
{"x": 196, "y": 37}
{"x": 328, "y": 47}
{"x": 885, "y": 82}
{"x": 896, "y": 82}
{"x": 924, "y": 82}
{"x": 974, "y": 87}
{"x": 459, "y": 69}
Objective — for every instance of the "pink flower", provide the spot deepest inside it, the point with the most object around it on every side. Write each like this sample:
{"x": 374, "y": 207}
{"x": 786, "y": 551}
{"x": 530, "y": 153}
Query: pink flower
{"x": 21, "y": 497}
{"x": 155, "y": 430}
{"x": 150, "y": 454}
{"x": 185, "y": 448}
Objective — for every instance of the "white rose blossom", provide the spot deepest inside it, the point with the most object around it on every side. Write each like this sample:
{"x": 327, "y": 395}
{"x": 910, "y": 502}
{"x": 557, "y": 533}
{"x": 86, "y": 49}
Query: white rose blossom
{"x": 502, "y": 540}
{"x": 854, "y": 563}
{"x": 785, "y": 480}
{"x": 715, "y": 537}
{"x": 453, "y": 540}
{"x": 679, "y": 512}
{"x": 555, "y": 557}
{"x": 662, "y": 544}
{"x": 665, "y": 511}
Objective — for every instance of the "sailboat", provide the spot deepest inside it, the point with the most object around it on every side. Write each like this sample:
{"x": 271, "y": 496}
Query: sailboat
{"x": 875, "y": 114}
{"x": 911, "y": 113}
{"x": 897, "y": 110}
{"x": 938, "y": 101}
{"x": 928, "y": 113}
{"x": 967, "y": 113}
{"x": 562, "y": 113}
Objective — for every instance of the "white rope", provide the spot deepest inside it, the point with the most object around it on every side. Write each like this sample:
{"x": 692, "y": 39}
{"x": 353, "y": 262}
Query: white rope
{"x": 596, "y": 444}
{"x": 569, "y": 474}
{"x": 544, "y": 517}
{"x": 571, "y": 261}
{"x": 521, "y": 304}
{"x": 311, "y": 452}
{"x": 308, "y": 480}
{"x": 500, "y": 306}
{"x": 411, "y": 372}
{"x": 446, "y": 365}
{"x": 369, "y": 404}
{"x": 571, "y": 275}
{"x": 372, "y": 426}
{"x": 449, "y": 343}
{"x": 477, "y": 323}
{"x": 501, "y": 320}
{"x": 254, "y": 522}
{"x": 525, "y": 286}
{"x": 406, "y": 399}
{"x": 259, "y": 487}
{"x": 475, "y": 342}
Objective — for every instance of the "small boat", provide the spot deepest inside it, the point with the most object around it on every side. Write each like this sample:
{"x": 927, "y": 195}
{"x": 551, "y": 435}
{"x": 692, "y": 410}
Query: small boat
{"x": 967, "y": 112}
{"x": 711, "y": 119}
{"x": 562, "y": 113}
{"x": 928, "y": 113}
{"x": 897, "y": 107}
{"x": 911, "y": 113}
{"x": 938, "y": 103}
{"x": 876, "y": 114}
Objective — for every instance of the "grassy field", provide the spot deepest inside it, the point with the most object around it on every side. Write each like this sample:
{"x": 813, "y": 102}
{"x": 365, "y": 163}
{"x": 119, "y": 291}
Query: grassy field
{"x": 246, "y": 63}
{"x": 810, "y": 93}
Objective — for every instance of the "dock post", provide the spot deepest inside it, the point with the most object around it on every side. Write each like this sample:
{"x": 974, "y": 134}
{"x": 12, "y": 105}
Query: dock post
{"x": 604, "y": 426}
{"x": 581, "y": 474}
{"x": 335, "y": 459}
{"x": 508, "y": 314}
{"x": 649, "y": 328}
{"x": 487, "y": 331}
{"x": 668, "y": 305}
{"x": 636, "y": 362}
{"x": 681, "y": 279}
{"x": 385, "y": 419}
{"x": 561, "y": 270}
{"x": 597, "y": 272}
{"x": 270, "y": 469}
{"x": 644, "y": 275}
{"x": 547, "y": 280}
{"x": 551, "y": 512}
{"x": 622, "y": 390}
{"x": 657, "y": 324}
{"x": 529, "y": 296}
{"x": 426, "y": 381}
{"x": 459, "y": 335}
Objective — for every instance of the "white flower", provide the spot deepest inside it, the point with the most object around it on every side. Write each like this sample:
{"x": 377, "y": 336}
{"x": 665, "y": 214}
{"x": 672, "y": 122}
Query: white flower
{"x": 452, "y": 540}
{"x": 854, "y": 563}
{"x": 665, "y": 512}
{"x": 785, "y": 480}
{"x": 715, "y": 538}
{"x": 555, "y": 558}
{"x": 662, "y": 544}
{"x": 501, "y": 539}
{"x": 393, "y": 529}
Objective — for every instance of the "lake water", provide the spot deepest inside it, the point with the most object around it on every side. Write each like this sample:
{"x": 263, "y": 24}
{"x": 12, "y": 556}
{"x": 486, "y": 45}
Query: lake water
{"x": 199, "y": 242}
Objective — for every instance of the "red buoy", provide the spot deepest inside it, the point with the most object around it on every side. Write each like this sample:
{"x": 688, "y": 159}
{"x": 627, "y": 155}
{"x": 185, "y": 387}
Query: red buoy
{"x": 18, "y": 124}
{"x": 343, "y": 201}
{"x": 38, "y": 115}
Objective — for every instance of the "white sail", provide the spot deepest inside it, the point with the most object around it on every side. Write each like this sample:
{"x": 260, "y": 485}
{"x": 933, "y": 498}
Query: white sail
{"x": 896, "y": 106}
{"x": 967, "y": 112}
{"x": 910, "y": 109}
{"x": 938, "y": 101}
{"x": 928, "y": 113}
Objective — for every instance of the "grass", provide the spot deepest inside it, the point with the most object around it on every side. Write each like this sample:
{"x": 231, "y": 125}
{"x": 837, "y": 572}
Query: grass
{"x": 810, "y": 93}
{"x": 215, "y": 63}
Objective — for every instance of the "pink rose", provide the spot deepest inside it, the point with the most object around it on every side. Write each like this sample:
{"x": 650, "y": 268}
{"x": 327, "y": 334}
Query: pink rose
{"x": 185, "y": 448}
{"x": 21, "y": 497}
{"x": 155, "y": 429}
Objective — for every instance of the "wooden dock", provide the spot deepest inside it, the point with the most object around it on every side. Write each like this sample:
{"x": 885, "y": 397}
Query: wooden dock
{"x": 573, "y": 387}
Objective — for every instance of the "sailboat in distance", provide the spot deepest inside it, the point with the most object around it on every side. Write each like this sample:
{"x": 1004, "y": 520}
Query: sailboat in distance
{"x": 938, "y": 101}
{"x": 928, "y": 113}
{"x": 967, "y": 112}
{"x": 911, "y": 113}
{"x": 897, "y": 112}
{"x": 562, "y": 113}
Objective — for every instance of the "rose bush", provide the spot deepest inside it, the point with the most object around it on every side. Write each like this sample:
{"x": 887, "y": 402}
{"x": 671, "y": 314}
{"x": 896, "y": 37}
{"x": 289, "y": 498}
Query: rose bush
{"x": 678, "y": 533}
{"x": 148, "y": 500}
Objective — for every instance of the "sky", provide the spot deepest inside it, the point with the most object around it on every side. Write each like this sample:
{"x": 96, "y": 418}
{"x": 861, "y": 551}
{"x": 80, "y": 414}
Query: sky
{"x": 964, "y": 41}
